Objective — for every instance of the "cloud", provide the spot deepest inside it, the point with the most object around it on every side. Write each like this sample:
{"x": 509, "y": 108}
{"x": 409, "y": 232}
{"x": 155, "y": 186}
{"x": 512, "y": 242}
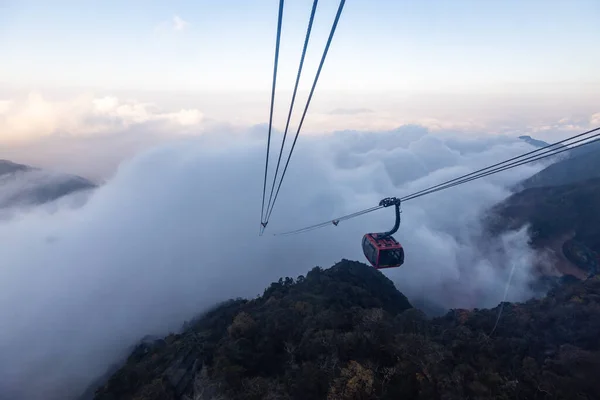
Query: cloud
{"x": 78, "y": 286}
{"x": 571, "y": 124}
{"x": 176, "y": 24}
{"x": 179, "y": 24}
{"x": 5, "y": 106}
{"x": 35, "y": 117}
{"x": 90, "y": 134}
{"x": 351, "y": 111}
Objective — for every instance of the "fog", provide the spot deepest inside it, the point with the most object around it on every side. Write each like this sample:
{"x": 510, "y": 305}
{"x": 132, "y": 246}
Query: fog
{"x": 175, "y": 230}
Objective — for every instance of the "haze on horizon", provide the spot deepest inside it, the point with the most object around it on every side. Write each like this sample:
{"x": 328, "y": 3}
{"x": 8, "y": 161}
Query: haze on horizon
{"x": 76, "y": 76}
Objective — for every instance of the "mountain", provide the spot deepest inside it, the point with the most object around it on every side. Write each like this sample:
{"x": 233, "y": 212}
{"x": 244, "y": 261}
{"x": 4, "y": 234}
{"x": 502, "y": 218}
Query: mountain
{"x": 579, "y": 164}
{"x": 534, "y": 142}
{"x": 552, "y": 211}
{"x": 561, "y": 206}
{"x": 559, "y": 217}
{"x": 23, "y": 185}
{"x": 347, "y": 333}
{"x": 9, "y": 167}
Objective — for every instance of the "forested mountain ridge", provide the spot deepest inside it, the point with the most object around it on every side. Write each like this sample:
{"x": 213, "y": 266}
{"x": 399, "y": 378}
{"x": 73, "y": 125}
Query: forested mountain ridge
{"x": 346, "y": 333}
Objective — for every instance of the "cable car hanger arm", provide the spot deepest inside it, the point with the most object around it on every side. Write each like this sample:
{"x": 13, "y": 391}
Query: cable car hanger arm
{"x": 392, "y": 201}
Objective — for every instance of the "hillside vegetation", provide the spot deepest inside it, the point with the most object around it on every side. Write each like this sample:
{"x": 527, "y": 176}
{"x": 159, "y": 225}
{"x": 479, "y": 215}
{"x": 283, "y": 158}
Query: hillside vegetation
{"x": 551, "y": 212}
{"x": 347, "y": 333}
{"x": 576, "y": 165}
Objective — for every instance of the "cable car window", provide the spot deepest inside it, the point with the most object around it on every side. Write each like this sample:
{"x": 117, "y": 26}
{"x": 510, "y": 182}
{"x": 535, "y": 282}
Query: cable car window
{"x": 370, "y": 251}
{"x": 390, "y": 257}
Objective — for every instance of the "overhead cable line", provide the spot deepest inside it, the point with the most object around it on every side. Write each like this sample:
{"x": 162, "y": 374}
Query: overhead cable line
{"x": 509, "y": 166}
{"x": 514, "y": 158}
{"x": 429, "y": 191}
{"x": 337, "y": 17}
{"x": 469, "y": 177}
{"x": 271, "y": 112}
{"x": 326, "y": 223}
{"x": 287, "y": 124}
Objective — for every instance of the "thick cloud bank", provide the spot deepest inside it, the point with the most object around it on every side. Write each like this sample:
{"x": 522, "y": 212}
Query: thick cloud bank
{"x": 176, "y": 230}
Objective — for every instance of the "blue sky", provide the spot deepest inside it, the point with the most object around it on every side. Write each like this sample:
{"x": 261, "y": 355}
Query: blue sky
{"x": 380, "y": 45}
{"x": 469, "y": 65}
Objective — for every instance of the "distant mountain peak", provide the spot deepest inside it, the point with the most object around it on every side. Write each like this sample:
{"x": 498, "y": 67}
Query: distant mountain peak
{"x": 24, "y": 185}
{"x": 8, "y": 167}
{"x": 578, "y": 164}
{"x": 534, "y": 142}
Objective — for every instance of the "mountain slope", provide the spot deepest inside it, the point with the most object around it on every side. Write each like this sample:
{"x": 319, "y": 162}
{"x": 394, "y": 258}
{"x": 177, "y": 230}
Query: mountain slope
{"x": 293, "y": 323}
{"x": 552, "y": 211}
{"x": 535, "y": 142}
{"x": 346, "y": 333}
{"x": 561, "y": 219}
{"x": 8, "y": 167}
{"x": 22, "y": 185}
{"x": 580, "y": 164}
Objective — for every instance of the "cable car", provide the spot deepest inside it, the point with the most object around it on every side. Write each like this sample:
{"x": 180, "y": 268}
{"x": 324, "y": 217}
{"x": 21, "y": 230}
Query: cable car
{"x": 381, "y": 249}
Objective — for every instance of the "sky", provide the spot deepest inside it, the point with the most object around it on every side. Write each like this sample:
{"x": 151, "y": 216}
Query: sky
{"x": 498, "y": 66}
{"x": 228, "y": 45}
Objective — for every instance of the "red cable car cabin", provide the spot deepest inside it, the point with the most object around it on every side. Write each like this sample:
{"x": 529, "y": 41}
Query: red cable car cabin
{"x": 382, "y": 252}
{"x": 381, "y": 249}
